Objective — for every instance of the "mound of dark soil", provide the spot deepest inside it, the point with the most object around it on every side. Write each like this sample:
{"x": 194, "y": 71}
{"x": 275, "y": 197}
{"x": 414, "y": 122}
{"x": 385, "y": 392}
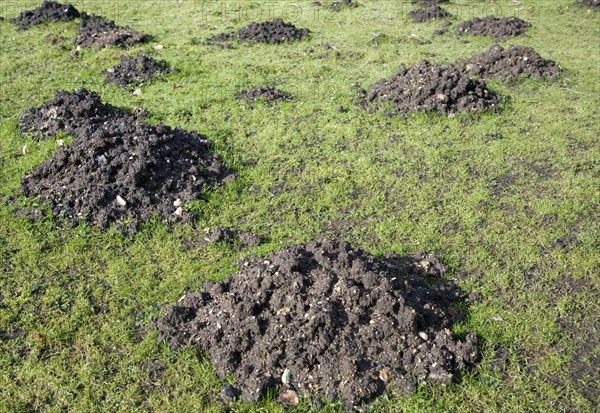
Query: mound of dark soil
{"x": 511, "y": 63}
{"x": 276, "y": 31}
{"x": 588, "y": 3}
{"x": 432, "y": 13}
{"x": 119, "y": 168}
{"x": 341, "y": 321}
{"x": 267, "y": 93}
{"x": 98, "y": 32}
{"x": 429, "y": 87}
{"x": 343, "y": 4}
{"x": 49, "y": 11}
{"x": 499, "y": 28}
{"x": 135, "y": 70}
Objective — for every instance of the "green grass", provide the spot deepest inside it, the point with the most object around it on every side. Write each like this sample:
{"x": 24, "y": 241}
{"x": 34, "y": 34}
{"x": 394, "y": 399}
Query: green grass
{"x": 76, "y": 304}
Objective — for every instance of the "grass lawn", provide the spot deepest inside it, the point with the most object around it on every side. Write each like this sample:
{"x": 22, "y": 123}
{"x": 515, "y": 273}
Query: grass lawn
{"x": 509, "y": 201}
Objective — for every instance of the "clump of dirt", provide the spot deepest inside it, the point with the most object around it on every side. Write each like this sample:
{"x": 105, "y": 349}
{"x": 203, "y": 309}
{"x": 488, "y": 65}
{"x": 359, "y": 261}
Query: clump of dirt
{"x": 508, "y": 64}
{"x": 343, "y": 4}
{"x": 588, "y": 3}
{"x": 135, "y": 70}
{"x": 98, "y": 32}
{"x": 499, "y": 28}
{"x": 276, "y": 31}
{"x": 336, "y": 322}
{"x": 432, "y": 13}
{"x": 428, "y": 87}
{"x": 233, "y": 235}
{"x": 49, "y": 11}
{"x": 269, "y": 94}
{"x": 119, "y": 169}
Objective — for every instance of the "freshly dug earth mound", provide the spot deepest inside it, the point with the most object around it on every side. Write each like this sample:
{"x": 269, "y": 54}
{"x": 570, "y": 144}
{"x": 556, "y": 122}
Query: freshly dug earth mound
{"x": 267, "y": 93}
{"x": 499, "y": 28}
{"x": 341, "y": 321}
{"x": 429, "y": 87}
{"x": 276, "y": 31}
{"x": 49, "y": 11}
{"x": 98, "y": 32}
{"x": 511, "y": 63}
{"x": 119, "y": 168}
{"x": 588, "y": 3}
{"x": 135, "y": 70}
{"x": 432, "y": 13}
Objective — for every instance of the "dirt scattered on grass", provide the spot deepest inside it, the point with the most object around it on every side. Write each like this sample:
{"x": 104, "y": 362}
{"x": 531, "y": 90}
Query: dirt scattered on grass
{"x": 588, "y": 3}
{"x": 135, "y": 70}
{"x": 432, "y": 13}
{"x": 499, "y": 28}
{"x": 119, "y": 169}
{"x": 233, "y": 236}
{"x": 276, "y": 31}
{"x": 428, "y": 87}
{"x": 49, "y": 11}
{"x": 98, "y": 32}
{"x": 510, "y": 63}
{"x": 343, "y": 4}
{"x": 269, "y": 94}
{"x": 343, "y": 322}
{"x": 427, "y": 3}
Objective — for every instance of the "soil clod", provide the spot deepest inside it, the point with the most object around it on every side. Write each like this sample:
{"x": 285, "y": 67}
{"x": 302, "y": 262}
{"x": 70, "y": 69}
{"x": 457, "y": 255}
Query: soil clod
{"x": 276, "y": 31}
{"x": 499, "y": 28}
{"x": 335, "y": 322}
{"x": 49, "y": 11}
{"x": 432, "y": 13}
{"x": 510, "y": 63}
{"x": 98, "y": 32}
{"x": 428, "y": 87}
{"x": 119, "y": 169}
{"x": 343, "y": 4}
{"x": 269, "y": 94}
{"x": 588, "y": 3}
{"x": 135, "y": 70}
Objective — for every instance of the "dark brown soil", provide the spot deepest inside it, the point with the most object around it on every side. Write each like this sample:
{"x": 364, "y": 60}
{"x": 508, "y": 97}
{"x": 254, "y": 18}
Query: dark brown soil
{"x": 135, "y": 70}
{"x": 424, "y": 15}
{"x": 269, "y": 94}
{"x": 98, "y": 32}
{"x": 343, "y": 4}
{"x": 234, "y": 236}
{"x": 49, "y": 11}
{"x": 508, "y": 64}
{"x": 343, "y": 322}
{"x": 588, "y": 3}
{"x": 499, "y": 28}
{"x": 276, "y": 31}
{"x": 119, "y": 169}
{"x": 429, "y": 87}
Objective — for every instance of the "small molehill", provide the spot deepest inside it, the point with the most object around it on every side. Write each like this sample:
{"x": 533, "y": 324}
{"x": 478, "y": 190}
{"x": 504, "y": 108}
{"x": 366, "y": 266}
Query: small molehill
{"x": 276, "y": 31}
{"x": 508, "y": 64}
{"x": 98, "y": 32}
{"x": 343, "y": 4}
{"x": 269, "y": 94}
{"x": 49, "y": 11}
{"x": 427, "y": 3}
{"x": 588, "y": 3}
{"x": 135, "y": 70}
{"x": 119, "y": 169}
{"x": 428, "y": 87}
{"x": 431, "y": 13}
{"x": 323, "y": 320}
{"x": 499, "y": 28}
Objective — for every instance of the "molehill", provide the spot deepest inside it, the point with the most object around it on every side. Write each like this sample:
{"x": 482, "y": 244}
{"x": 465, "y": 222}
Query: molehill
{"x": 324, "y": 320}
